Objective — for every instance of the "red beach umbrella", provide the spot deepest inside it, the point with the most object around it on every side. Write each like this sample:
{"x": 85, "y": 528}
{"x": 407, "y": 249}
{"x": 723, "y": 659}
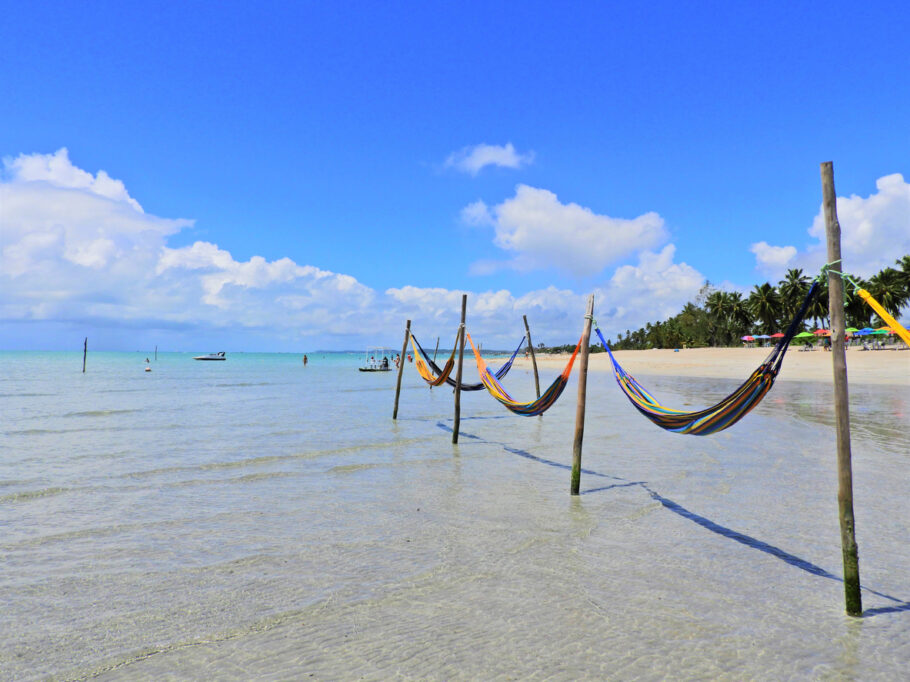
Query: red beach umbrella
{"x": 748, "y": 338}
{"x": 779, "y": 335}
{"x": 822, "y": 332}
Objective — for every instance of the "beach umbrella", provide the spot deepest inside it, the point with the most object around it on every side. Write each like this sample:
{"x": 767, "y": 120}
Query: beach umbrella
{"x": 880, "y": 332}
{"x": 779, "y": 335}
{"x": 803, "y": 335}
{"x": 762, "y": 336}
{"x": 748, "y": 338}
{"x": 822, "y": 332}
{"x": 885, "y": 329}
{"x": 851, "y": 330}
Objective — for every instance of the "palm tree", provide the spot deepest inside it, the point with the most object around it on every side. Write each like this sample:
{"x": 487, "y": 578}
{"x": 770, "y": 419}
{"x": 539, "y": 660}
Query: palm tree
{"x": 765, "y": 304}
{"x": 857, "y": 313}
{"x": 904, "y": 272}
{"x": 818, "y": 309}
{"x": 887, "y": 288}
{"x": 717, "y": 305}
{"x": 793, "y": 289}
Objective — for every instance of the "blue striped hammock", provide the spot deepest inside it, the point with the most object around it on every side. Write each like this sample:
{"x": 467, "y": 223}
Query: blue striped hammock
{"x": 729, "y": 410}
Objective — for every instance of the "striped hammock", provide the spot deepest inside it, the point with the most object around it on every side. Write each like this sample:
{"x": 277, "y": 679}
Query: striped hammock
{"x": 499, "y": 374}
{"x": 729, "y": 410}
{"x": 533, "y": 408}
{"x": 424, "y": 371}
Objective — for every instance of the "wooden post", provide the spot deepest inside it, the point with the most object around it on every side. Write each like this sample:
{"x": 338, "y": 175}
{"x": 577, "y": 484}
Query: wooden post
{"x": 582, "y": 392}
{"x": 401, "y": 361}
{"x": 84, "y": 353}
{"x": 533, "y": 359}
{"x": 850, "y": 551}
{"x": 437, "y": 349}
{"x": 457, "y": 425}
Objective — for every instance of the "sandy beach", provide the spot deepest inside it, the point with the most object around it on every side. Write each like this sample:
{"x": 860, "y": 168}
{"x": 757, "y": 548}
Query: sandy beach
{"x": 881, "y": 367}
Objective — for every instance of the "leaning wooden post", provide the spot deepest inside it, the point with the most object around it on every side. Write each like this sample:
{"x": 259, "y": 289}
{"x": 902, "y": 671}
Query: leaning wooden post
{"x": 457, "y": 425}
{"x": 84, "y": 353}
{"x": 533, "y": 359}
{"x": 582, "y": 391}
{"x": 436, "y": 350}
{"x": 841, "y": 401}
{"x": 401, "y": 361}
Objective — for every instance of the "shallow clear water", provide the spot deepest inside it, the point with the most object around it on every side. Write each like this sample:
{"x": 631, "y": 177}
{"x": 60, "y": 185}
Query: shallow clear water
{"x": 257, "y": 519}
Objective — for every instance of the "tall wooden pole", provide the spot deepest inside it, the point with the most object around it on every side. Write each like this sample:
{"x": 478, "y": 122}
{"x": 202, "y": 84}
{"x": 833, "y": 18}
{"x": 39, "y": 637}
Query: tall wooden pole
{"x": 533, "y": 359}
{"x": 457, "y": 425}
{"x": 852, "y": 594}
{"x": 401, "y": 361}
{"x": 436, "y": 350}
{"x": 582, "y": 393}
{"x": 84, "y": 353}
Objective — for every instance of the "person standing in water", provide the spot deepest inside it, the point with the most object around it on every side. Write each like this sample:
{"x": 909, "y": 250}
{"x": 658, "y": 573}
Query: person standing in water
{"x": 305, "y": 360}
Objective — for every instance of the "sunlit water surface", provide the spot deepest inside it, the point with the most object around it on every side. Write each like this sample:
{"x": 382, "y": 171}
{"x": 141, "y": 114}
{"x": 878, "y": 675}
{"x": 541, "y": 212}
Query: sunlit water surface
{"x": 255, "y": 519}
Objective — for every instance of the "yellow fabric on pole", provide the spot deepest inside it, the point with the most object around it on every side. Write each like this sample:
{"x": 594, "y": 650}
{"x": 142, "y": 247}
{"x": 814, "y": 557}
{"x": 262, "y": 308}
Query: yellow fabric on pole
{"x": 882, "y": 313}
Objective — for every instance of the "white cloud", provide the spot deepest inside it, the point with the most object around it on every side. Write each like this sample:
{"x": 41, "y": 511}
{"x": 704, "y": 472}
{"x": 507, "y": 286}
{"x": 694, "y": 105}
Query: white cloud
{"x": 656, "y": 289}
{"x": 875, "y": 231}
{"x": 76, "y": 249}
{"x": 474, "y": 159}
{"x": 477, "y": 213}
{"x": 772, "y": 258}
{"x": 544, "y": 233}
{"x": 57, "y": 170}
{"x": 76, "y": 245}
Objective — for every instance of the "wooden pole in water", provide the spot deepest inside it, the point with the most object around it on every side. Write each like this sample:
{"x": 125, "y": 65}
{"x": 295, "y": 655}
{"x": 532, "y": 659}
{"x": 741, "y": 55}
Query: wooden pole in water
{"x": 533, "y": 359}
{"x": 401, "y": 361}
{"x": 582, "y": 392}
{"x": 850, "y": 551}
{"x": 84, "y": 353}
{"x": 437, "y": 349}
{"x": 457, "y": 426}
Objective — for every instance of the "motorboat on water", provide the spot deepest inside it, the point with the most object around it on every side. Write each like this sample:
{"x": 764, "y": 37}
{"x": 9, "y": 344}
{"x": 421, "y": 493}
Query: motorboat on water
{"x": 377, "y": 360}
{"x": 211, "y": 356}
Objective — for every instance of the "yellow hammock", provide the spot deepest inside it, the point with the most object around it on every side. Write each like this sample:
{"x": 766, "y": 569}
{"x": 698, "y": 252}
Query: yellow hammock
{"x": 882, "y": 313}
{"x": 425, "y": 372}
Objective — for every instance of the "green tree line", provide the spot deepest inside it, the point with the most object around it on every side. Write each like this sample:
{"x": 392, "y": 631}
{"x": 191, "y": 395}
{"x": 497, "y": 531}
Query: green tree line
{"x": 722, "y": 318}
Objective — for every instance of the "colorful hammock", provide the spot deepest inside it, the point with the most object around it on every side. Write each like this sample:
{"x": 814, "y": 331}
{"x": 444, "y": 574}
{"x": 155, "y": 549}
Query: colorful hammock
{"x": 729, "y": 410}
{"x": 424, "y": 371}
{"x": 533, "y": 408}
{"x": 500, "y": 373}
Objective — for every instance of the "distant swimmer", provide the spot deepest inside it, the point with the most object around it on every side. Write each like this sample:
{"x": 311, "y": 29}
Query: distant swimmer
{"x": 305, "y": 360}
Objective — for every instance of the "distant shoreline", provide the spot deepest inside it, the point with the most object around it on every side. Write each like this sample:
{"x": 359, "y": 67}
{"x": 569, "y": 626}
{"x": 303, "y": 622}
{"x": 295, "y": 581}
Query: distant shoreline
{"x": 880, "y": 367}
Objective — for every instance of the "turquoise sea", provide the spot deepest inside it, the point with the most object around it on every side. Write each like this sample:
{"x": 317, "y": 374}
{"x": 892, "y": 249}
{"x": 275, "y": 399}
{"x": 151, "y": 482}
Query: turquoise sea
{"x": 258, "y": 519}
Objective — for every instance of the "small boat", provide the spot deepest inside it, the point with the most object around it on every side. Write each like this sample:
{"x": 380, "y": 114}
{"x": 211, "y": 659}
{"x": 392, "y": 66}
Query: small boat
{"x": 211, "y": 356}
{"x": 377, "y": 360}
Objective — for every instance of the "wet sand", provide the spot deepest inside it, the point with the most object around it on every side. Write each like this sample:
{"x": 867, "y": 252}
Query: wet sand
{"x": 880, "y": 367}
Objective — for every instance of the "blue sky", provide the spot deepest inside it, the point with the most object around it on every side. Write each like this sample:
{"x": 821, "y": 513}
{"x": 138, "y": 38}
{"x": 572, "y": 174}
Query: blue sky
{"x": 632, "y": 149}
